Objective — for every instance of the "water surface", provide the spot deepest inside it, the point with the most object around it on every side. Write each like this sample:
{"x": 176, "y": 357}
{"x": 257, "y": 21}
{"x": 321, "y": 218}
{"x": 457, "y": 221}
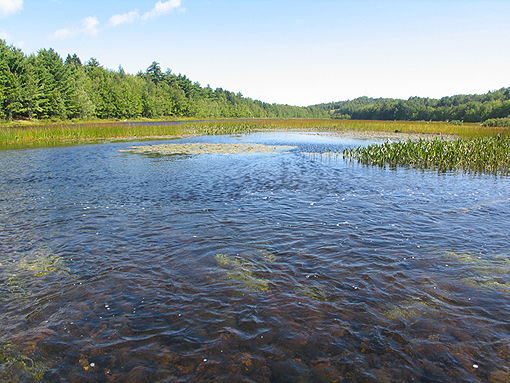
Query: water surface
{"x": 274, "y": 267}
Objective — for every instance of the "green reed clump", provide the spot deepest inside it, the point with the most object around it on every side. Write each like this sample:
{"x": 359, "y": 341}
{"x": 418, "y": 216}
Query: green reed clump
{"x": 477, "y": 155}
{"x": 82, "y": 132}
{"x": 219, "y": 128}
{"x": 497, "y": 122}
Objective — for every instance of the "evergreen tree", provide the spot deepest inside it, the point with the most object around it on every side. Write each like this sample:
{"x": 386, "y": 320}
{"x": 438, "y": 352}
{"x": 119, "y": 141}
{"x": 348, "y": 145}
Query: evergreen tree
{"x": 12, "y": 66}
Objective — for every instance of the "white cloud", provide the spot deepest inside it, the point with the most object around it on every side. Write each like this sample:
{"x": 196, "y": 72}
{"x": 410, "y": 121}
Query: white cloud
{"x": 125, "y": 18}
{"x": 4, "y": 35}
{"x": 8, "y": 7}
{"x": 90, "y": 26}
{"x": 87, "y": 28}
{"x": 62, "y": 34}
{"x": 162, "y": 8}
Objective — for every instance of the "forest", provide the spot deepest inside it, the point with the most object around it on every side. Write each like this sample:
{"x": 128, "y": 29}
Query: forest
{"x": 43, "y": 86}
{"x": 460, "y": 108}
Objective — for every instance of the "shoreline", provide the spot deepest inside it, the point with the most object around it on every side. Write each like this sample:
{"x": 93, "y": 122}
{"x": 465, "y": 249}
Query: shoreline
{"x": 386, "y": 136}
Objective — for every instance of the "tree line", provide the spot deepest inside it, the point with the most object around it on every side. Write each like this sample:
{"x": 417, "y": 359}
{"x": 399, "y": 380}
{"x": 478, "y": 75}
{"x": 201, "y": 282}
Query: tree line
{"x": 464, "y": 108}
{"x": 44, "y": 86}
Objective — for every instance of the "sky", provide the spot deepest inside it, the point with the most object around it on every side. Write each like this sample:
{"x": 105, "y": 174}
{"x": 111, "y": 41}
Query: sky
{"x": 292, "y": 52}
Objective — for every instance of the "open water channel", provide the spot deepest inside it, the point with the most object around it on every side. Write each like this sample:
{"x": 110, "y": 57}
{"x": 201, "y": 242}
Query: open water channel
{"x": 270, "y": 267}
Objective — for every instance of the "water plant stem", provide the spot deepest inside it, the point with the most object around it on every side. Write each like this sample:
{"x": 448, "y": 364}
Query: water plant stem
{"x": 475, "y": 155}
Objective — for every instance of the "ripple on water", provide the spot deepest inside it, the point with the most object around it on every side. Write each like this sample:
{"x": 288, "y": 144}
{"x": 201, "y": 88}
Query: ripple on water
{"x": 270, "y": 267}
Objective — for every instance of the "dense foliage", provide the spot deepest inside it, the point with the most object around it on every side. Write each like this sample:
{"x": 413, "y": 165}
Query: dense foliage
{"x": 44, "y": 86}
{"x": 466, "y": 108}
{"x": 494, "y": 122}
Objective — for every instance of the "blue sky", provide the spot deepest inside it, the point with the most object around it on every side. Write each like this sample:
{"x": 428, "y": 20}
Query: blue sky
{"x": 291, "y": 52}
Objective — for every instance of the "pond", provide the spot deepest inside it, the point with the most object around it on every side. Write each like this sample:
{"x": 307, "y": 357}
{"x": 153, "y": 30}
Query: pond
{"x": 286, "y": 266}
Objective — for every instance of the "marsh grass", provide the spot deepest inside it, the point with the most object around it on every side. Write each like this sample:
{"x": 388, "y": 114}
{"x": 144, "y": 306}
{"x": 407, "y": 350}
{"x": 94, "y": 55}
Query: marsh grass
{"x": 219, "y": 128}
{"x": 70, "y": 132}
{"x": 476, "y": 155}
{"x": 56, "y": 133}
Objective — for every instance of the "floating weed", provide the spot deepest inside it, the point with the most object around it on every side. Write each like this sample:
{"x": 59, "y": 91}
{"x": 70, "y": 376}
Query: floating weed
{"x": 206, "y": 148}
{"x": 477, "y": 155}
{"x": 241, "y": 270}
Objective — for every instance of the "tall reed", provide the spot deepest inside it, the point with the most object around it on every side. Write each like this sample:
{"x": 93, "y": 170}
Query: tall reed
{"x": 83, "y": 132}
{"x": 71, "y": 132}
{"x": 476, "y": 155}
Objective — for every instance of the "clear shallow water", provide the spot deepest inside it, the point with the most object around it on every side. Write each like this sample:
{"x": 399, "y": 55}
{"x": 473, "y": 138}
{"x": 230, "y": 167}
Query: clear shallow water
{"x": 267, "y": 268}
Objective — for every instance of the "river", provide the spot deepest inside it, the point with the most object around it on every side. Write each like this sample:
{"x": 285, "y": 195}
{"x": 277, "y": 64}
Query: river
{"x": 269, "y": 267}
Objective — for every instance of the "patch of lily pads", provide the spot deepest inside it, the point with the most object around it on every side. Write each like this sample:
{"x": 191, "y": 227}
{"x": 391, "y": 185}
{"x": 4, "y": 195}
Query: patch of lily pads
{"x": 207, "y": 148}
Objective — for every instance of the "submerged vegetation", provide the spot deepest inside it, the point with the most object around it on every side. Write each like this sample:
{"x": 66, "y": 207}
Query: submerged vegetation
{"x": 242, "y": 271}
{"x": 478, "y": 155}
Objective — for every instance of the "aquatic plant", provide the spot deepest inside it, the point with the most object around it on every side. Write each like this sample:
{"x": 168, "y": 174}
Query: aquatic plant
{"x": 19, "y": 275}
{"x": 497, "y": 122}
{"x": 477, "y": 155}
{"x": 491, "y": 272}
{"x": 411, "y": 308}
{"x": 315, "y": 291}
{"x": 15, "y": 366}
{"x": 219, "y": 128}
{"x": 206, "y": 148}
{"x": 70, "y": 133}
{"x": 56, "y": 133}
{"x": 241, "y": 270}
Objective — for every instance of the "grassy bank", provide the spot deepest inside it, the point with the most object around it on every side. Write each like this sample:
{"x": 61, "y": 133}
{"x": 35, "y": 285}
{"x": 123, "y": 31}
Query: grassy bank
{"x": 75, "y": 132}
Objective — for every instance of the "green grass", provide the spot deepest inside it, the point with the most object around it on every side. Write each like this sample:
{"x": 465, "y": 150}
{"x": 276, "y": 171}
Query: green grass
{"x": 476, "y": 155}
{"x": 59, "y": 133}
{"x": 70, "y": 132}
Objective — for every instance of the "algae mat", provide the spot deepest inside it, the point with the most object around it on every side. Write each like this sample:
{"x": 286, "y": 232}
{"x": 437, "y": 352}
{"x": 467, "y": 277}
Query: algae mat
{"x": 206, "y": 148}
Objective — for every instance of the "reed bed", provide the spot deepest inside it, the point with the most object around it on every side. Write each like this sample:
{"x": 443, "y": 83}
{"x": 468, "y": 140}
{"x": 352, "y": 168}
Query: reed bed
{"x": 55, "y": 133}
{"x": 477, "y": 155}
{"x": 220, "y": 128}
{"x": 417, "y": 127}
{"x": 75, "y": 132}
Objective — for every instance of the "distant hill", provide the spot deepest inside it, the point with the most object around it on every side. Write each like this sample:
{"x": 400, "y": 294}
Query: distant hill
{"x": 467, "y": 108}
{"x": 44, "y": 86}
